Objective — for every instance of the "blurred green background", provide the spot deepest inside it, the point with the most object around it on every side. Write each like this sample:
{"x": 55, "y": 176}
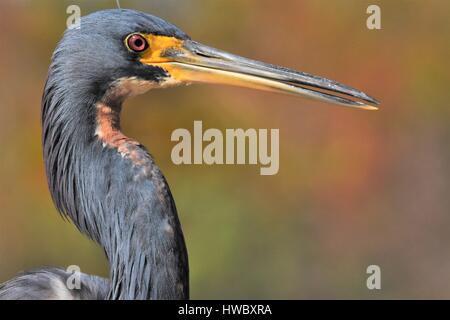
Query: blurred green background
{"x": 355, "y": 188}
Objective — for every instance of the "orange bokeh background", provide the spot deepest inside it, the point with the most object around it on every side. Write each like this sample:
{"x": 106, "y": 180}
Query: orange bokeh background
{"x": 354, "y": 189}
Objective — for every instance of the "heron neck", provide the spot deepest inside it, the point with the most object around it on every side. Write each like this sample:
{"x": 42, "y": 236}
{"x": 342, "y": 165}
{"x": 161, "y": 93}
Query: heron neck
{"x": 143, "y": 239}
{"x": 110, "y": 187}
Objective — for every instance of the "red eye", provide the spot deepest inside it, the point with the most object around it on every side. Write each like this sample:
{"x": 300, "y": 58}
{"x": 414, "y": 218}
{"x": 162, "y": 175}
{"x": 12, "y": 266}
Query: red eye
{"x": 137, "y": 43}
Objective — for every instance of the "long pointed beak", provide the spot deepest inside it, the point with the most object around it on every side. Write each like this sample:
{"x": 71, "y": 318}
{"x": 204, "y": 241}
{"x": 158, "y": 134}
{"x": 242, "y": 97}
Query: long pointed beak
{"x": 193, "y": 62}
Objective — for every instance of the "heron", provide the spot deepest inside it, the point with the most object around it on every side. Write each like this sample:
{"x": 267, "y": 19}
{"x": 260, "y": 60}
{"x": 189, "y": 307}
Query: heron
{"x": 108, "y": 184}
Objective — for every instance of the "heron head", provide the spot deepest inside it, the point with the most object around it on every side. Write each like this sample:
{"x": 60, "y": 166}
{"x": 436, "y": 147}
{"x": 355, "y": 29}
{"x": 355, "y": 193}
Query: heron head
{"x": 132, "y": 52}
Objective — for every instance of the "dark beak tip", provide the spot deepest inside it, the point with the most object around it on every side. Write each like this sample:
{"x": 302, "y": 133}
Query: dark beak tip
{"x": 374, "y": 101}
{"x": 370, "y": 101}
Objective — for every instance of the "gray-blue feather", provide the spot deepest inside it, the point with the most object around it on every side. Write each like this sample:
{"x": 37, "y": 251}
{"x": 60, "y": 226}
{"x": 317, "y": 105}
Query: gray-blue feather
{"x": 51, "y": 284}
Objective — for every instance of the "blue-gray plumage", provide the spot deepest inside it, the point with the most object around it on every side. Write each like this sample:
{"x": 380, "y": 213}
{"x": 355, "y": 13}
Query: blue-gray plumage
{"x": 108, "y": 184}
{"x": 51, "y": 284}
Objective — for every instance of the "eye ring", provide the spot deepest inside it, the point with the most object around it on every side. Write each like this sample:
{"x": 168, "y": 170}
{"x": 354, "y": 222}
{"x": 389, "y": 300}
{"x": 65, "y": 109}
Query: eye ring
{"x": 136, "y": 42}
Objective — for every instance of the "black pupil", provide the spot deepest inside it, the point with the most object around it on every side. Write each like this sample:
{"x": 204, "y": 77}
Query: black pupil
{"x": 138, "y": 43}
